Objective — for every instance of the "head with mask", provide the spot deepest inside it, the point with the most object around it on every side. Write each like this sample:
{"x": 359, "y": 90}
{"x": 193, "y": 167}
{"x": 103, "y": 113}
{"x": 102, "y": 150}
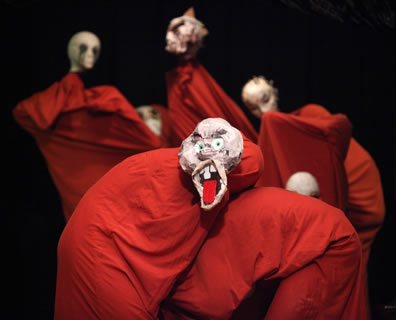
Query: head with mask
{"x": 185, "y": 35}
{"x": 152, "y": 117}
{"x": 211, "y": 152}
{"x": 83, "y": 51}
{"x": 259, "y": 96}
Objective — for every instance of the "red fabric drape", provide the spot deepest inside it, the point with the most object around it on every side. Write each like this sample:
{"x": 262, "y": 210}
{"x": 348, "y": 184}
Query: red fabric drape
{"x": 133, "y": 233}
{"x": 193, "y": 95}
{"x": 292, "y": 143}
{"x": 269, "y": 234}
{"x": 82, "y": 133}
{"x": 366, "y": 206}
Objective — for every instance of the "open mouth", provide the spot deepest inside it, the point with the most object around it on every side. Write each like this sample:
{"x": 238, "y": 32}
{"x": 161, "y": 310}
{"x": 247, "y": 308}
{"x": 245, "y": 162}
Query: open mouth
{"x": 210, "y": 180}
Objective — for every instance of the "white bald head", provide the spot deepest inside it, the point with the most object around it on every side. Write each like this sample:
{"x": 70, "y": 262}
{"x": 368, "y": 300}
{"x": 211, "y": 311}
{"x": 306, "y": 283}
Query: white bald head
{"x": 83, "y": 51}
{"x": 303, "y": 183}
{"x": 259, "y": 96}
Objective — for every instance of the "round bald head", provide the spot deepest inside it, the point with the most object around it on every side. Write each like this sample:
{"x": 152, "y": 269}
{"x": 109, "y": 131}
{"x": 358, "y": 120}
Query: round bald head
{"x": 83, "y": 51}
{"x": 259, "y": 96}
{"x": 303, "y": 183}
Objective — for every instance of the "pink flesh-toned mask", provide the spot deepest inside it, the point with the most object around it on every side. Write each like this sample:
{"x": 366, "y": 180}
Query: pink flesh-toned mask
{"x": 212, "y": 151}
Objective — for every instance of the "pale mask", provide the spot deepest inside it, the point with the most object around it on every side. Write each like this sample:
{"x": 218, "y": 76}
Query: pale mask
{"x": 260, "y": 96}
{"x": 83, "y": 51}
{"x": 185, "y": 35}
{"x": 303, "y": 183}
{"x": 152, "y": 118}
{"x": 209, "y": 154}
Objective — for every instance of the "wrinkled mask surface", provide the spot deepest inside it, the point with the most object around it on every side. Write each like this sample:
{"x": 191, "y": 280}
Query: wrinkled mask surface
{"x": 259, "y": 95}
{"x": 211, "y": 152}
{"x": 152, "y": 118}
{"x": 184, "y": 36}
{"x": 303, "y": 183}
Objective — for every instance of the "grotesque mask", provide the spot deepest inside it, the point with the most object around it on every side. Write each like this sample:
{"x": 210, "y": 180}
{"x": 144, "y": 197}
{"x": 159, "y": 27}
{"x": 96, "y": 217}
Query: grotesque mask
{"x": 303, "y": 183}
{"x": 260, "y": 96}
{"x": 209, "y": 154}
{"x": 185, "y": 35}
{"x": 152, "y": 118}
{"x": 83, "y": 51}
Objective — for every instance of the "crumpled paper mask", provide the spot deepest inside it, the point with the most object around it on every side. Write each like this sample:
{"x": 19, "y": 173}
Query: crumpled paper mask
{"x": 303, "y": 183}
{"x": 185, "y": 35}
{"x": 152, "y": 118}
{"x": 83, "y": 51}
{"x": 259, "y": 96}
{"x": 211, "y": 152}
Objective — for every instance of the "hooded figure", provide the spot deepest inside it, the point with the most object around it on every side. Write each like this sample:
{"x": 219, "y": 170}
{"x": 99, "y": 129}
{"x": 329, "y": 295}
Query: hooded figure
{"x": 141, "y": 225}
{"x": 193, "y": 94}
{"x": 82, "y": 132}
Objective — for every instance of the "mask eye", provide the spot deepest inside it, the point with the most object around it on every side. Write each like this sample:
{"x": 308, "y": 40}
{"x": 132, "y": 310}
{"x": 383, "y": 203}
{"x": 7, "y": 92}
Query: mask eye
{"x": 217, "y": 143}
{"x": 198, "y": 147}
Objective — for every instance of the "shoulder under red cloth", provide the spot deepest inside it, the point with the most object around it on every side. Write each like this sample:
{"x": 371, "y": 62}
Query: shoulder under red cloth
{"x": 193, "y": 95}
{"x": 366, "y": 205}
{"x": 133, "y": 233}
{"x": 291, "y": 143}
{"x": 82, "y": 133}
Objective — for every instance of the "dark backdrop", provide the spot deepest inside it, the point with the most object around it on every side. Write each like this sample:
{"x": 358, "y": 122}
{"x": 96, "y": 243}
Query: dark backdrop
{"x": 345, "y": 66}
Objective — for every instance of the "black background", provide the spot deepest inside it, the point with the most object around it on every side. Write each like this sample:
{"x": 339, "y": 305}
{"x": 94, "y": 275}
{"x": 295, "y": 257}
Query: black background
{"x": 344, "y": 66}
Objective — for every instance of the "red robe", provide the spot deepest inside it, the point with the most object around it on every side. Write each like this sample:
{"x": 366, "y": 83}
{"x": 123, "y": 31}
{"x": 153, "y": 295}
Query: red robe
{"x": 365, "y": 206}
{"x": 193, "y": 95}
{"x": 133, "y": 233}
{"x": 82, "y": 133}
{"x": 266, "y": 235}
{"x": 291, "y": 143}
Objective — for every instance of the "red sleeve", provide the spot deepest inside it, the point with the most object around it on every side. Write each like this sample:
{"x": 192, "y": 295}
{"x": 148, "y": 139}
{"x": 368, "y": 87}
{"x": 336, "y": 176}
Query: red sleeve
{"x": 82, "y": 133}
{"x": 193, "y": 95}
{"x": 292, "y": 143}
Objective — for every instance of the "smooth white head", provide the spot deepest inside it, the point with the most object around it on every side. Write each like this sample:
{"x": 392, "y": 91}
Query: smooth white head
{"x": 83, "y": 51}
{"x": 304, "y": 183}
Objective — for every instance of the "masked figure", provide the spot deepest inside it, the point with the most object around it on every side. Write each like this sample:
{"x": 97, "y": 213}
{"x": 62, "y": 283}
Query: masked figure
{"x": 193, "y": 94}
{"x": 82, "y": 132}
{"x": 155, "y": 116}
{"x": 141, "y": 225}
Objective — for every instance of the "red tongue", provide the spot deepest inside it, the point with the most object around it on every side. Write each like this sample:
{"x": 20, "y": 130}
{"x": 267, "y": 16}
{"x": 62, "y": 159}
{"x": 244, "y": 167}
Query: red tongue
{"x": 209, "y": 191}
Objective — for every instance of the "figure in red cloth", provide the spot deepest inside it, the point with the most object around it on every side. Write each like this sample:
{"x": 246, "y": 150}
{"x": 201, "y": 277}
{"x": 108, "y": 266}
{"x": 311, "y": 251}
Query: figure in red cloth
{"x": 366, "y": 206}
{"x": 363, "y": 200}
{"x": 301, "y": 256}
{"x": 141, "y": 225}
{"x": 82, "y": 132}
{"x": 193, "y": 94}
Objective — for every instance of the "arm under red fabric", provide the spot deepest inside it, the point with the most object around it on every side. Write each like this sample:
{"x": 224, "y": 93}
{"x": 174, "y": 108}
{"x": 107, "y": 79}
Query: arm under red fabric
{"x": 132, "y": 234}
{"x": 291, "y": 143}
{"x": 193, "y": 95}
{"x": 82, "y": 133}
